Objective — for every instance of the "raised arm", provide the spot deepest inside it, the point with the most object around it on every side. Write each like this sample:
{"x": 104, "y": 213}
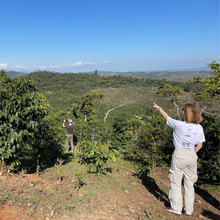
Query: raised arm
{"x": 162, "y": 112}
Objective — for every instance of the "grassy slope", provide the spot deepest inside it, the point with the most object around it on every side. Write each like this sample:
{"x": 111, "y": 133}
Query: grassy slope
{"x": 136, "y": 100}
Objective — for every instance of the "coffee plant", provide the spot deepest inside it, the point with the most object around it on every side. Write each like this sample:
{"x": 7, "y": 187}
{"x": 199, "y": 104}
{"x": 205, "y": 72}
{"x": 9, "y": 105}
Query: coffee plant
{"x": 96, "y": 157}
{"x": 209, "y": 155}
{"x": 21, "y": 109}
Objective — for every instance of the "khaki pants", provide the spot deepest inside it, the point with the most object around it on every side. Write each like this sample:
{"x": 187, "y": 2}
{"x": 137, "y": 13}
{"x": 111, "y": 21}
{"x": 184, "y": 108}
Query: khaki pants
{"x": 184, "y": 166}
{"x": 69, "y": 138}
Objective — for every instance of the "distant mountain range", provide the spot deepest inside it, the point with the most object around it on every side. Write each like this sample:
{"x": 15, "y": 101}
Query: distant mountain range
{"x": 171, "y": 74}
{"x": 205, "y": 68}
{"x": 15, "y": 73}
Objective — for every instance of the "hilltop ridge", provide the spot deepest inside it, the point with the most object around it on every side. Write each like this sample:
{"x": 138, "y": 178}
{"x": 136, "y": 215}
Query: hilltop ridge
{"x": 172, "y": 75}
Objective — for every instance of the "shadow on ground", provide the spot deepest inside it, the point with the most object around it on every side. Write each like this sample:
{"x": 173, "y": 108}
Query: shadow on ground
{"x": 210, "y": 215}
{"x": 153, "y": 188}
{"x": 208, "y": 197}
{"x": 30, "y": 162}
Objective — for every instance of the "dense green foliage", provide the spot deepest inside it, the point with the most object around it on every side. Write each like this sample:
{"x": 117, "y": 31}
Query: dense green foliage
{"x": 211, "y": 92}
{"x": 21, "y": 109}
{"x": 210, "y": 153}
{"x": 155, "y": 142}
{"x": 85, "y": 110}
{"x": 15, "y": 74}
{"x": 62, "y": 90}
{"x": 25, "y": 127}
{"x": 48, "y": 139}
{"x": 169, "y": 91}
{"x": 147, "y": 143}
{"x": 95, "y": 157}
{"x": 210, "y": 157}
{"x": 94, "y": 131}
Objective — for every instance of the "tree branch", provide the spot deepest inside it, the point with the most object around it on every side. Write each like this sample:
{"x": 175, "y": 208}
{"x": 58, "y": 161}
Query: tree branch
{"x": 203, "y": 109}
{"x": 177, "y": 109}
{"x": 106, "y": 114}
{"x": 78, "y": 116}
{"x": 140, "y": 118}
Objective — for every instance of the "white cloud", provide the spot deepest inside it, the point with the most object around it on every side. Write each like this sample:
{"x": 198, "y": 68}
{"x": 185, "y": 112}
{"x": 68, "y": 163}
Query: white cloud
{"x": 40, "y": 67}
{"x": 18, "y": 67}
{"x": 50, "y": 67}
{"x": 84, "y": 63}
{"x": 76, "y": 64}
{"x": 106, "y": 61}
{"x": 3, "y": 65}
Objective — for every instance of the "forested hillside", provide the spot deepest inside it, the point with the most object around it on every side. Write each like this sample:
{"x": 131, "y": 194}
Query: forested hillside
{"x": 168, "y": 75}
{"x": 15, "y": 73}
{"x": 62, "y": 90}
{"x": 179, "y": 75}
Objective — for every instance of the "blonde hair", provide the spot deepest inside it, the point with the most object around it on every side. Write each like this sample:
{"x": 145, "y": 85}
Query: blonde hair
{"x": 192, "y": 114}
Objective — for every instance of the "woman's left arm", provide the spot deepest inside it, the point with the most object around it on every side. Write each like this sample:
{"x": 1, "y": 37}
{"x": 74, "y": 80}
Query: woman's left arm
{"x": 198, "y": 147}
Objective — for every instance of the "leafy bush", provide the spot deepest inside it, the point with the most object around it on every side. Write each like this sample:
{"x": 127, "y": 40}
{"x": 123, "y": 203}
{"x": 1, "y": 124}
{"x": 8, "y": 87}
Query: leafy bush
{"x": 95, "y": 157}
{"x": 48, "y": 140}
{"x": 209, "y": 155}
{"x": 154, "y": 144}
{"x": 147, "y": 144}
{"x": 93, "y": 131}
{"x": 21, "y": 109}
{"x": 121, "y": 133}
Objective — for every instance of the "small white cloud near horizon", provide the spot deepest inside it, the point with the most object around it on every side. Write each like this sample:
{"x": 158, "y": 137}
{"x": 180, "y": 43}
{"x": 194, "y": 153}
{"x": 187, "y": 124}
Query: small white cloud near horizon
{"x": 3, "y": 65}
{"x": 106, "y": 61}
{"x": 56, "y": 66}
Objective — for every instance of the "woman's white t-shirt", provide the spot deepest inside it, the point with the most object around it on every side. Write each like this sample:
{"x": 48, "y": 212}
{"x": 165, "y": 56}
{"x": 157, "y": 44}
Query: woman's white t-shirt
{"x": 186, "y": 135}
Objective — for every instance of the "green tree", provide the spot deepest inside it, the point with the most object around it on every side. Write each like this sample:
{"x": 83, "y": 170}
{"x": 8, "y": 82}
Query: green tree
{"x": 211, "y": 85}
{"x": 154, "y": 143}
{"x": 86, "y": 110}
{"x": 171, "y": 93}
{"x": 21, "y": 109}
{"x": 48, "y": 139}
{"x": 209, "y": 154}
{"x": 96, "y": 157}
{"x": 122, "y": 136}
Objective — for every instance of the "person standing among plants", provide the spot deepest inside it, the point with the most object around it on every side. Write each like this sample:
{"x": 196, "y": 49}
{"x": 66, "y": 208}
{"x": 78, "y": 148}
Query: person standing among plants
{"x": 69, "y": 134}
{"x": 188, "y": 137}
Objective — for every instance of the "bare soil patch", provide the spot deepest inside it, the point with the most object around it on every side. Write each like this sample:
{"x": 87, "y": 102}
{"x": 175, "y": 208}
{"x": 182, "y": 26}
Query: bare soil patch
{"x": 117, "y": 195}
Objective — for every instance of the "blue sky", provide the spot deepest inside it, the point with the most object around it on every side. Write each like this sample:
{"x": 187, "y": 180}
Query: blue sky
{"x": 110, "y": 35}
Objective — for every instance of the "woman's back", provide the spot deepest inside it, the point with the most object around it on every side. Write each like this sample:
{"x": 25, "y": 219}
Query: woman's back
{"x": 186, "y": 135}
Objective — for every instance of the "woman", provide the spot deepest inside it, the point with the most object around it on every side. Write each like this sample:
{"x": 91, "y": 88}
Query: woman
{"x": 188, "y": 137}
